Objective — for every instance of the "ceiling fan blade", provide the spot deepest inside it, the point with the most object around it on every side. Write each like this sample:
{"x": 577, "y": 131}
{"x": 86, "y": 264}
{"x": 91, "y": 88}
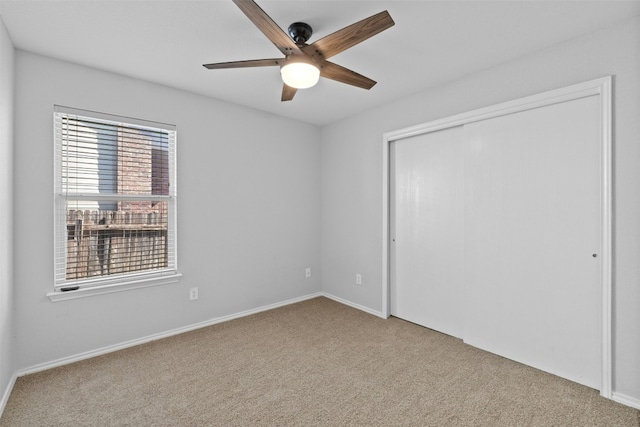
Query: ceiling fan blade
{"x": 246, "y": 64}
{"x": 344, "y": 75}
{"x": 268, "y": 27}
{"x": 288, "y": 92}
{"x": 350, "y": 36}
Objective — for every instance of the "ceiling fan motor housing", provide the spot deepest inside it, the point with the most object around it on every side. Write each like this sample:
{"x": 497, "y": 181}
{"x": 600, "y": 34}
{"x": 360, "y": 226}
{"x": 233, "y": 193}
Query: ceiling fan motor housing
{"x": 300, "y": 32}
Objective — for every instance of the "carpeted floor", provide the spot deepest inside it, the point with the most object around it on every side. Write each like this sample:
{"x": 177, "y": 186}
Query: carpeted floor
{"x": 315, "y": 363}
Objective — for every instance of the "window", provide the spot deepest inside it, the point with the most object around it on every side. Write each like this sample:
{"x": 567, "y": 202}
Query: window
{"x": 115, "y": 202}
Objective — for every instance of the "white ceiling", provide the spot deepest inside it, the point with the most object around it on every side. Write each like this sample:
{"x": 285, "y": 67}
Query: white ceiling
{"x": 432, "y": 42}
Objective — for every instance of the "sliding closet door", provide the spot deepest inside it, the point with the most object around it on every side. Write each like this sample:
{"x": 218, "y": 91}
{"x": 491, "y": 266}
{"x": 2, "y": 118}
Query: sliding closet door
{"x": 531, "y": 229}
{"x": 426, "y": 230}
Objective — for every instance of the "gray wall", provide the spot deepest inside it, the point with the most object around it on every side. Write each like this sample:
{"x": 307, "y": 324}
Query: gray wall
{"x": 352, "y": 171}
{"x": 248, "y": 213}
{"x": 6, "y": 212}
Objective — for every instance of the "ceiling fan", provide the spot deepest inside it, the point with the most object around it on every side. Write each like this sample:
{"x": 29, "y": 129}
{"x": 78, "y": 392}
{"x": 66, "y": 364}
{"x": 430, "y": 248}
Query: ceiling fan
{"x": 304, "y": 63}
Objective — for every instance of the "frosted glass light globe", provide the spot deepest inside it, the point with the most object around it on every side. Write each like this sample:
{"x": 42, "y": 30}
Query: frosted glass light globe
{"x": 300, "y": 75}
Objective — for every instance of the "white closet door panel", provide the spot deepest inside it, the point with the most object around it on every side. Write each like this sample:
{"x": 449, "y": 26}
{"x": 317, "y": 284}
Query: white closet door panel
{"x": 426, "y": 282}
{"x": 532, "y": 226}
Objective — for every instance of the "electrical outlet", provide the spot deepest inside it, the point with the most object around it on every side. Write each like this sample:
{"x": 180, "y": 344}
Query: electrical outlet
{"x": 193, "y": 293}
{"x": 358, "y": 279}
{"x": 307, "y": 273}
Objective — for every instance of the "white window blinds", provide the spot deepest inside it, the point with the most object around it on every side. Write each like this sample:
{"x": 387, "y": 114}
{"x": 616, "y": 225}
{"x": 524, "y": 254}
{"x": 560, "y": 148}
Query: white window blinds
{"x": 115, "y": 199}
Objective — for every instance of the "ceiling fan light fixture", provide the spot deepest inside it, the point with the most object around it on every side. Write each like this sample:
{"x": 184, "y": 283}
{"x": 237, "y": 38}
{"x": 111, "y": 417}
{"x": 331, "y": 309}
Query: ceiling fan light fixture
{"x": 300, "y": 73}
{"x": 302, "y": 63}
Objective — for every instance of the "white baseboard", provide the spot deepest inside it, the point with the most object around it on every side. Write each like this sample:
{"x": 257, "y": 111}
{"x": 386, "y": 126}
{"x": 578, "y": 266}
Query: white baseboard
{"x": 354, "y": 305}
{"x": 626, "y": 400}
{"x": 121, "y": 346}
{"x": 7, "y": 393}
{"x": 109, "y": 349}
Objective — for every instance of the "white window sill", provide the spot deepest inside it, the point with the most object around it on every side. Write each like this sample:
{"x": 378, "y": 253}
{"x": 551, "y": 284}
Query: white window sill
{"x": 116, "y": 287}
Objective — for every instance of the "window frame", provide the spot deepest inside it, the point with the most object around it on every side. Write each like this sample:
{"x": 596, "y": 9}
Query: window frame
{"x": 64, "y": 288}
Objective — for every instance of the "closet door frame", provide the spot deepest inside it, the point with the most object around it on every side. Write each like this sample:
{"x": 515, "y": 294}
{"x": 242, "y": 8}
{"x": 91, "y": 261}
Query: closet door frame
{"x": 600, "y": 87}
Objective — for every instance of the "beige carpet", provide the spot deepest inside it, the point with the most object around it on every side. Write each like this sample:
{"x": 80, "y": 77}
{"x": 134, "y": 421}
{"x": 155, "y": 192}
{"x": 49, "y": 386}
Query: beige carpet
{"x": 315, "y": 363}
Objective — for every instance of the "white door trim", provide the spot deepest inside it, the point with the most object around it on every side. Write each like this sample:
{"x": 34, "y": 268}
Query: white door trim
{"x": 601, "y": 87}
